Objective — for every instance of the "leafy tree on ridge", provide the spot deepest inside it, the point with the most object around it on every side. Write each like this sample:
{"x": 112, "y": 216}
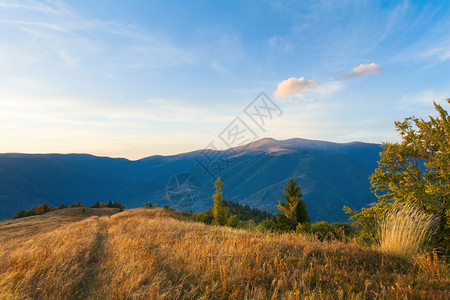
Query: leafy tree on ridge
{"x": 416, "y": 171}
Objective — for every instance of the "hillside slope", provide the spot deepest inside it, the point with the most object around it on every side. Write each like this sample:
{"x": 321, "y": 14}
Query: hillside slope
{"x": 156, "y": 254}
{"x": 331, "y": 174}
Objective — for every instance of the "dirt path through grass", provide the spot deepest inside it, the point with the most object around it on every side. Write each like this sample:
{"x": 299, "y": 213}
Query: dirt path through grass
{"x": 91, "y": 278}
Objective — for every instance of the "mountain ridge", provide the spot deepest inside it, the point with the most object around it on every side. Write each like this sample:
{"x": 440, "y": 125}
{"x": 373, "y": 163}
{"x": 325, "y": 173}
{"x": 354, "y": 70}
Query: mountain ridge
{"x": 331, "y": 175}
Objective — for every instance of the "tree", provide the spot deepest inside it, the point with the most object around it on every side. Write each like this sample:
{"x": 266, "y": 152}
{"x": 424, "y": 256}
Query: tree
{"x": 293, "y": 209}
{"x": 414, "y": 171}
{"x": 39, "y": 210}
{"x": 96, "y": 205}
{"x": 219, "y": 212}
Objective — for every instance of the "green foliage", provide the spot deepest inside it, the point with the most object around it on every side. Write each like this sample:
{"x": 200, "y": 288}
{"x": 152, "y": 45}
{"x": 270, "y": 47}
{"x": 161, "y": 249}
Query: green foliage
{"x": 76, "y": 204}
{"x": 246, "y": 217}
{"x": 62, "y": 206}
{"x": 38, "y": 210}
{"x": 23, "y": 214}
{"x": 218, "y": 210}
{"x": 96, "y": 205}
{"x": 148, "y": 205}
{"x": 327, "y": 231}
{"x": 267, "y": 225}
{"x": 205, "y": 217}
{"x": 293, "y": 209}
{"x": 245, "y": 212}
{"x": 233, "y": 221}
{"x": 415, "y": 171}
{"x": 367, "y": 220}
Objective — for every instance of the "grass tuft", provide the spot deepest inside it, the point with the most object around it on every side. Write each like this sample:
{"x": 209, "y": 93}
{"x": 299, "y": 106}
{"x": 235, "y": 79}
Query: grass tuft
{"x": 404, "y": 229}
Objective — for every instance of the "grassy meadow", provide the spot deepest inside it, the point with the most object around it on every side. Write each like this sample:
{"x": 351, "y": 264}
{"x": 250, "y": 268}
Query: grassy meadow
{"x": 159, "y": 254}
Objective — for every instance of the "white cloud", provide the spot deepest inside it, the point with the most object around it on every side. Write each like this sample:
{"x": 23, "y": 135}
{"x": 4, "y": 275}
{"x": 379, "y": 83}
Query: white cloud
{"x": 293, "y": 86}
{"x": 363, "y": 70}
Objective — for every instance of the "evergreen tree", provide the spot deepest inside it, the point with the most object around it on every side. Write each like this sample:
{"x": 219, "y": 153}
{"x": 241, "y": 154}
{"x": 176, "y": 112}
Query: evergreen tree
{"x": 219, "y": 212}
{"x": 293, "y": 209}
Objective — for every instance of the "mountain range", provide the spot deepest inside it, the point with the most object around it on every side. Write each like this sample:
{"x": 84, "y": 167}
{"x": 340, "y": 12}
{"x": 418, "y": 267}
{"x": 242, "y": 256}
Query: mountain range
{"x": 331, "y": 175}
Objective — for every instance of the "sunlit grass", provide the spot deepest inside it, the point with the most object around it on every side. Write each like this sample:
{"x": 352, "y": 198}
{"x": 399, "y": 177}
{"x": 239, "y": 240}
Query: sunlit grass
{"x": 157, "y": 254}
{"x": 404, "y": 230}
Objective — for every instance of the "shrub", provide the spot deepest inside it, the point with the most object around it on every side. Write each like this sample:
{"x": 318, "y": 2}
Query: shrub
{"x": 39, "y": 210}
{"x": 267, "y": 225}
{"x": 21, "y": 214}
{"x": 76, "y": 204}
{"x": 102, "y": 205}
{"x": 404, "y": 229}
{"x": 326, "y": 231}
{"x": 205, "y": 217}
{"x": 96, "y": 205}
{"x": 233, "y": 221}
{"x": 62, "y": 206}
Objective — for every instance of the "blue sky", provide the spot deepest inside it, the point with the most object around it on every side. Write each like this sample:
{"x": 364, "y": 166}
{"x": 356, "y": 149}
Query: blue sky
{"x": 136, "y": 78}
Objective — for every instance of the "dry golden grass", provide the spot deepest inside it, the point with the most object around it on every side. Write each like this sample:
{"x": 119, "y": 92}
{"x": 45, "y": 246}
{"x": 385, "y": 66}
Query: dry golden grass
{"x": 404, "y": 229}
{"x": 155, "y": 254}
{"x": 25, "y": 227}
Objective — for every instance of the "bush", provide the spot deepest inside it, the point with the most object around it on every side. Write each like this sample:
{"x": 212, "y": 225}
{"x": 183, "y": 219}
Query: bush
{"x": 404, "y": 229}
{"x": 267, "y": 225}
{"x": 76, "y": 204}
{"x": 233, "y": 221}
{"x": 21, "y": 214}
{"x": 102, "y": 205}
{"x": 62, "y": 206}
{"x": 205, "y": 217}
{"x": 39, "y": 210}
{"x": 325, "y": 231}
{"x": 96, "y": 205}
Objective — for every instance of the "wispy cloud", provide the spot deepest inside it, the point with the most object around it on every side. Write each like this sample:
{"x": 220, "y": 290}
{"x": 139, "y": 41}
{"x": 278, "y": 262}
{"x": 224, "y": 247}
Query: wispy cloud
{"x": 441, "y": 53}
{"x": 66, "y": 38}
{"x": 362, "y": 71}
{"x": 293, "y": 86}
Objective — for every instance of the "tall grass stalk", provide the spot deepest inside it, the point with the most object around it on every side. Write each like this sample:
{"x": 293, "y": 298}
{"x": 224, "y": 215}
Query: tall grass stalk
{"x": 404, "y": 229}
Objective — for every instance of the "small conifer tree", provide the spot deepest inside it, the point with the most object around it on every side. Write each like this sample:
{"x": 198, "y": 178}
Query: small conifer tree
{"x": 219, "y": 212}
{"x": 293, "y": 209}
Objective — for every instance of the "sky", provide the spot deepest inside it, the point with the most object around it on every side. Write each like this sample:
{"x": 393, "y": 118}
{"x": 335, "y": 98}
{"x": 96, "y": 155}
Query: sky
{"x": 138, "y": 78}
